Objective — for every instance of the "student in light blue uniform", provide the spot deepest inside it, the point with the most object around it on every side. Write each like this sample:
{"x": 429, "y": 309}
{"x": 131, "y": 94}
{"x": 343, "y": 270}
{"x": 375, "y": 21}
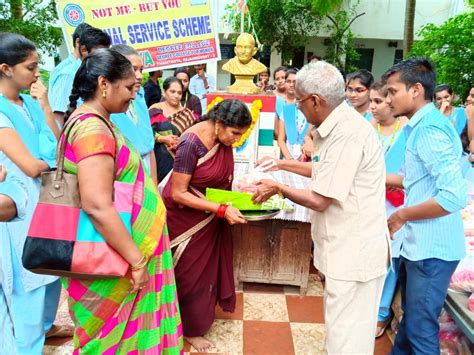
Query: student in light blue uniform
{"x": 28, "y": 302}
{"x": 279, "y": 81}
{"x": 443, "y": 97}
{"x": 13, "y": 201}
{"x": 292, "y": 125}
{"x": 135, "y": 123}
{"x": 430, "y": 221}
{"x": 390, "y": 132}
{"x": 358, "y": 84}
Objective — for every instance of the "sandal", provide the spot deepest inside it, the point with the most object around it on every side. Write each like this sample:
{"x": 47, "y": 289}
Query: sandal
{"x": 60, "y": 331}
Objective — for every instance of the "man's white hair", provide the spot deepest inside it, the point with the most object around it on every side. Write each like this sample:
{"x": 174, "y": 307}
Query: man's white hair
{"x": 323, "y": 79}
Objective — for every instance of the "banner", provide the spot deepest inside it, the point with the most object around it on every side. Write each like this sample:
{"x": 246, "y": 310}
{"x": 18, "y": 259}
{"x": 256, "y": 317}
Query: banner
{"x": 166, "y": 33}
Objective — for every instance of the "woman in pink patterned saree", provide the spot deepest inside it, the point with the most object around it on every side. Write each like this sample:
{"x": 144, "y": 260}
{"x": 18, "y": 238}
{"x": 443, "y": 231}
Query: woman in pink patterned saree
{"x": 139, "y": 313}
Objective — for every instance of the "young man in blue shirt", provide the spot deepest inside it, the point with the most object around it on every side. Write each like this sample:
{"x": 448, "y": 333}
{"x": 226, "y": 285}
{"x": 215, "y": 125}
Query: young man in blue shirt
{"x": 86, "y": 39}
{"x": 435, "y": 192}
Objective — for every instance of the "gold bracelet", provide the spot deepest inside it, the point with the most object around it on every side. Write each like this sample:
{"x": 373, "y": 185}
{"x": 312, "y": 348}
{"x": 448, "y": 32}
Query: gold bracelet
{"x": 157, "y": 136}
{"x": 140, "y": 264}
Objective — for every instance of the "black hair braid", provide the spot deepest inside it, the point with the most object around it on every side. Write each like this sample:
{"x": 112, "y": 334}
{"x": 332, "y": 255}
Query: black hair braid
{"x": 78, "y": 84}
{"x": 73, "y": 98}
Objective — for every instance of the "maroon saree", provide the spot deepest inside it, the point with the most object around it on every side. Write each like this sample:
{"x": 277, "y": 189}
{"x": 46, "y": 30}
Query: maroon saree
{"x": 204, "y": 271}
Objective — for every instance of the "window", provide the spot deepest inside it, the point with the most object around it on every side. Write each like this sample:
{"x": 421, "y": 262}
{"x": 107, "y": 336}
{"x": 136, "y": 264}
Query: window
{"x": 366, "y": 58}
{"x": 398, "y": 56}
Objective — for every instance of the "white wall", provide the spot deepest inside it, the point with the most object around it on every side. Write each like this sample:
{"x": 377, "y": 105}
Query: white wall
{"x": 384, "y": 19}
{"x": 383, "y": 54}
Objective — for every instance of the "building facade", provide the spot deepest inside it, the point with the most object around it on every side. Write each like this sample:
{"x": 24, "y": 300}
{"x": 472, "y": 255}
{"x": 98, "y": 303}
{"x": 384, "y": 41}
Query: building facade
{"x": 378, "y": 34}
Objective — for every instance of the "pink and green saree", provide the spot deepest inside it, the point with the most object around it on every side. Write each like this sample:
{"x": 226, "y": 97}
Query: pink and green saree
{"x": 108, "y": 318}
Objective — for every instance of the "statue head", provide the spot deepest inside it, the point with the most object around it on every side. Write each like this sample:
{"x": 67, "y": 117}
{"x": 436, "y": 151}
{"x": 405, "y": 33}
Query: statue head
{"x": 245, "y": 48}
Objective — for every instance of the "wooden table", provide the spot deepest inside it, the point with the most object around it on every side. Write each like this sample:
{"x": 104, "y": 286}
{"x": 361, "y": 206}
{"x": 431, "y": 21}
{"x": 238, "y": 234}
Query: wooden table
{"x": 272, "y": 252}
{"x": 278, "y": 250}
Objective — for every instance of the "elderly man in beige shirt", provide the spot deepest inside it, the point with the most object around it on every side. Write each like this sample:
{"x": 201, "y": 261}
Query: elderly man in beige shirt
{"x": 347, "y": 196}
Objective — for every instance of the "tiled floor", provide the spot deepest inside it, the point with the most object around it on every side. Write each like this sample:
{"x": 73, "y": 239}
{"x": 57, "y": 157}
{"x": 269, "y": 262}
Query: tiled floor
{"x": 269, "y": 319}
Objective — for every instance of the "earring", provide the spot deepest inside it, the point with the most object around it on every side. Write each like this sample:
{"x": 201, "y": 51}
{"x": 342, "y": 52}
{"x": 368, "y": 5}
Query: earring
{"x": 104, "y": 94}
{"x": 216, "y": 131}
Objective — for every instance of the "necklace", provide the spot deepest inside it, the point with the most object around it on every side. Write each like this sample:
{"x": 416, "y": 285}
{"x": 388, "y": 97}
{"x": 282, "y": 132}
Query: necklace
{"x": 392, "y": 136}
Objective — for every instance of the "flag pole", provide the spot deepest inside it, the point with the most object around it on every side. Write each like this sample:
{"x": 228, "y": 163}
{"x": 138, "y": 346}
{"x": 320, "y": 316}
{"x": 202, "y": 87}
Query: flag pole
{"x": 242, "y": 15}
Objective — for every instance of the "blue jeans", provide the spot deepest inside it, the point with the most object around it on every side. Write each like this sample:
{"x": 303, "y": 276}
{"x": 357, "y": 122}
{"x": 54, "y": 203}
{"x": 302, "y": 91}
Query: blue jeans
{"x": 388, "y": 291}
{"x": 424, "y": 285}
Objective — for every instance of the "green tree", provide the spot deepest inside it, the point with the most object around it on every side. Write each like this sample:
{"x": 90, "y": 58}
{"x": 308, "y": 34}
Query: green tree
{"x": 340, "y": 49}
{"x": 451, "y": 48}
{"x": 288, "y": 25}
{"x": 34, "y": 19}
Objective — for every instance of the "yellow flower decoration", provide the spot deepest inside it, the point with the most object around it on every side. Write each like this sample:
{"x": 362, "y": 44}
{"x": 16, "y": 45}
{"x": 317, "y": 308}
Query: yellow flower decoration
{"x": 214, "y": 103}
{"x": 254, "y": 111}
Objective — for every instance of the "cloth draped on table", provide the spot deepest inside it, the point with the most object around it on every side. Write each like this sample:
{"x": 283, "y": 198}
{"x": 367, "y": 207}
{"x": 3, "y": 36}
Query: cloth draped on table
{"x": 204, "y": 272}
{"x": 108, "y": 318}
{"x": 175, "y": 124}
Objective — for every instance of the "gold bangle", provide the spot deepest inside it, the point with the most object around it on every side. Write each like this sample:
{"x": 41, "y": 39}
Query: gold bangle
{"x": 157, "y": 136}
{"x": 140, "y": 264}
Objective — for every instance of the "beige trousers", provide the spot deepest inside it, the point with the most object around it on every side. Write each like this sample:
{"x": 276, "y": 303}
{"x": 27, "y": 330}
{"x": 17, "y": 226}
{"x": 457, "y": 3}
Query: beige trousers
{"x": 350, "y": 311}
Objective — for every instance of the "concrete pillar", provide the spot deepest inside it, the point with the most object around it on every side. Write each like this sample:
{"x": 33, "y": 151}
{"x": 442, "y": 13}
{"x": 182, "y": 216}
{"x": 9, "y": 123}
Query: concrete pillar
{"x": 211, "y": 68}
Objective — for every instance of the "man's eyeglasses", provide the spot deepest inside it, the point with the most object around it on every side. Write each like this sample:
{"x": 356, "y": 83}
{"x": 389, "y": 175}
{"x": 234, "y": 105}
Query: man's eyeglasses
{"x": 300, "y": 101}
{"x": 356, "y": 90}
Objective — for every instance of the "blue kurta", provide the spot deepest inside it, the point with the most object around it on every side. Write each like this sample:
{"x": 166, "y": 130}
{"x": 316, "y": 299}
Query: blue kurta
{"x": 22, "y": 290}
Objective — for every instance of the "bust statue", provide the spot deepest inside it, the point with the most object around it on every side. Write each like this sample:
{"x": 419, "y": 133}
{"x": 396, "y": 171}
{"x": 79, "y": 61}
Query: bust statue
{"x": 244, "y": 66}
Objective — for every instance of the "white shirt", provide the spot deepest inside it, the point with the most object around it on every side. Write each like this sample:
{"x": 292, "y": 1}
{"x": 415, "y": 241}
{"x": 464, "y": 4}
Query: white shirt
{"x": 196, "y": 87}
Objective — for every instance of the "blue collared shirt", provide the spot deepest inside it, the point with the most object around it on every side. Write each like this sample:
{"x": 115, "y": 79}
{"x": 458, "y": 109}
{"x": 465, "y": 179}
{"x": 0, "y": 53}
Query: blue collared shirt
{"x": 433, "y": 170}
{"x": 60, "y": 83}
{"x": 196, "y": 87}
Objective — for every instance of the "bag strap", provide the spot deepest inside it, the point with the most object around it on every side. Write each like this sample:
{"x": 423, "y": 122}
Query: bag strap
{"x": 62, "y": 146}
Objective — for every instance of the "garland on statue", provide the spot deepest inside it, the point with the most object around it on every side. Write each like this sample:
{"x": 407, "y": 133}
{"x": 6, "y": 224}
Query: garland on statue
{"x": 254, "y": 111}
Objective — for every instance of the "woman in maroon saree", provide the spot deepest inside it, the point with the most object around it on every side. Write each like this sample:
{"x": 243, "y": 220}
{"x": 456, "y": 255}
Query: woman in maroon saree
{"x": 200, "y": 230}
